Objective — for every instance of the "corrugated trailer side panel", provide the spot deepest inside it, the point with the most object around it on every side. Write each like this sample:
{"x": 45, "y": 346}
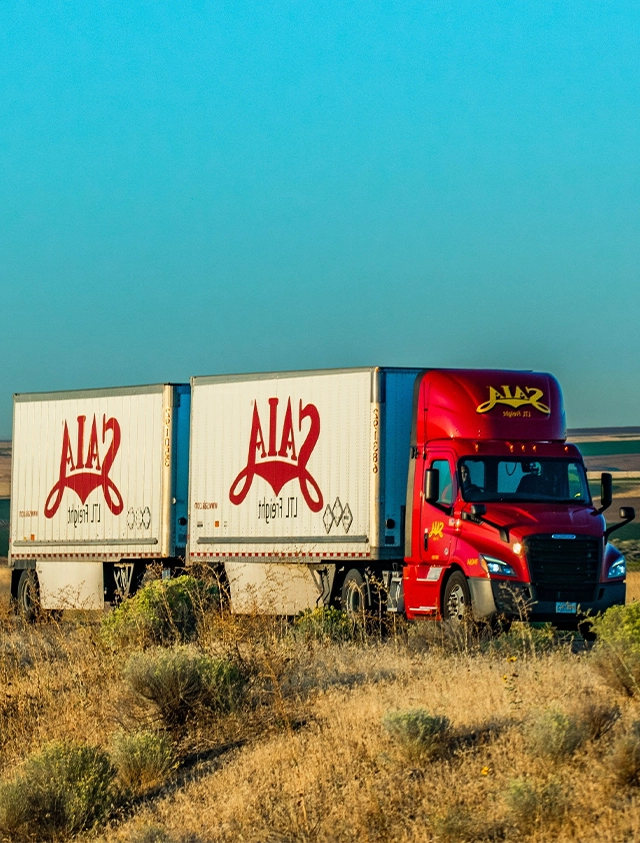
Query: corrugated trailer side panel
{"x": 281, "y": 465}
{"x": 282, "y": 482}
{"x": 90, "y": 485}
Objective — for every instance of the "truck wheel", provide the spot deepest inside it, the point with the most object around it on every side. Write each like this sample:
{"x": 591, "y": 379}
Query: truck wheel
{"x": 28, "y": 603}
{"x": 354, "y": 597}
{"x": 456, "y": 603}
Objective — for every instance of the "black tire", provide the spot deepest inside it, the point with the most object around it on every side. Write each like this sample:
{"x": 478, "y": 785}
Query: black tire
{"x": 354, "y": 596}
{"x": 456, "y": 601}
{"x": 587, "y": 633}
{"x": 28, "y": 598}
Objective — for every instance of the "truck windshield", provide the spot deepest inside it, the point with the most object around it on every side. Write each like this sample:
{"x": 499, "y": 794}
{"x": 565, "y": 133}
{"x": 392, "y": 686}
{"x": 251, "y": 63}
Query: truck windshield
{"x": 542, "y": 480}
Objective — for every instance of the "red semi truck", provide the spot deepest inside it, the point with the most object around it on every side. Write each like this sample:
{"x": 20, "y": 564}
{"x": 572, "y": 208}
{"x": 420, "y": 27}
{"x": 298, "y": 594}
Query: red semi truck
{"x": 501, "y": 517}
{"x": 456, "y": 489}
{"x": 453, "y": 489}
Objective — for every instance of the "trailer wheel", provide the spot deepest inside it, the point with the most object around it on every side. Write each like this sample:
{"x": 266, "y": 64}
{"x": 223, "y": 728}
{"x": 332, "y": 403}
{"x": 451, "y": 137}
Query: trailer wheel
{"x": 456, "y": 603}
{"x": 28, "y": 599}
{"x": 354, "y": 597}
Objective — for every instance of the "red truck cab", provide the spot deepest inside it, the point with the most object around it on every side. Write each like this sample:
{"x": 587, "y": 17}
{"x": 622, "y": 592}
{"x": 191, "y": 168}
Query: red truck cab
{"x": 500, "y": 519}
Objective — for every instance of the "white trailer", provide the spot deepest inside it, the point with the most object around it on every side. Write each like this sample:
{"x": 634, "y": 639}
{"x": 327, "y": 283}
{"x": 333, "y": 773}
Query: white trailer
{"x": 98, "y": 490}
{"x": 297, "y": 481}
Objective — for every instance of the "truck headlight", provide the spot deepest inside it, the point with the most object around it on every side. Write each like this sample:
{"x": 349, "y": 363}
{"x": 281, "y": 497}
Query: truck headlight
{"x": 618, "y": 569}
{"x": 496, "y": 566}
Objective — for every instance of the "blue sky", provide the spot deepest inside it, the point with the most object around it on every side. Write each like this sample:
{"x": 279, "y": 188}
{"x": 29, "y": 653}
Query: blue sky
{"x": 203, "y": 187}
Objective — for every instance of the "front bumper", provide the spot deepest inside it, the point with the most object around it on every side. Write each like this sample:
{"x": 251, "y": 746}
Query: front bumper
{"x": 517, "y": 601}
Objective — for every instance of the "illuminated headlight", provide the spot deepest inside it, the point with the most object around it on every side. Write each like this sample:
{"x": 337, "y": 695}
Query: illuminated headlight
{"x": 497, "y": 566}
{"x": 618, "y": 569}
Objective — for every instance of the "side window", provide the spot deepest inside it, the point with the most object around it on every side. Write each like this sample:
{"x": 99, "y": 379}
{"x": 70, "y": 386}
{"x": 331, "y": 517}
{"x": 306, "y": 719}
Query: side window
{"x": 577, "y": 490}
{"x": 446, "y": 482}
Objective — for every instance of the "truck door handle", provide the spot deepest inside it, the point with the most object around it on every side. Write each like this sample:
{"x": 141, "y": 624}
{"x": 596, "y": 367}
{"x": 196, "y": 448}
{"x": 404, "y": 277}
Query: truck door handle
{"x": 426, "y": 539}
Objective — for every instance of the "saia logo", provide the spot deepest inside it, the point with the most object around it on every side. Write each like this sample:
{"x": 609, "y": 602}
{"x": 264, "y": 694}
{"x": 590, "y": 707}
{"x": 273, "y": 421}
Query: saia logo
{"x": 82, "y": 471}
{"x": 279, "y": 464}
{"x": 437, "y": 530}
{"x": 514, "y": 397}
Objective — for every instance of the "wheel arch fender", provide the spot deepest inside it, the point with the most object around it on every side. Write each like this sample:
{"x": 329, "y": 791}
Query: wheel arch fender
{"x": 455, "y": 566}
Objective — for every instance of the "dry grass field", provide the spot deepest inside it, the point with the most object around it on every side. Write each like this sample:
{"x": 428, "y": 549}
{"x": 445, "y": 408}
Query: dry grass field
{"x": 5, "y": 584}
{"x": 418, "y": 733}
{"x": 519, "y": 738}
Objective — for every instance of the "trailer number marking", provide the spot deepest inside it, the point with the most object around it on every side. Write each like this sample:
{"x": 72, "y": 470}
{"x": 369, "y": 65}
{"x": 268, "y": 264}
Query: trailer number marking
{"x": 375, "y": 456}
{"x": 167, "y": 437}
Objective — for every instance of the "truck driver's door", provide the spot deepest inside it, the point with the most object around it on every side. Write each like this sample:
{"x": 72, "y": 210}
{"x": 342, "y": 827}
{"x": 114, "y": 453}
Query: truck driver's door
{"x": 423, "y": 580}
{"x": 435, "y": 516}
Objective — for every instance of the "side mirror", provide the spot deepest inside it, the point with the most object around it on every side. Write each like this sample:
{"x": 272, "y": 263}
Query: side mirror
{"x": 477, "y": 512}
{"x": 627, "y": 513}
{"x": 606, "y": 491}
{"x": 431, "y": 485}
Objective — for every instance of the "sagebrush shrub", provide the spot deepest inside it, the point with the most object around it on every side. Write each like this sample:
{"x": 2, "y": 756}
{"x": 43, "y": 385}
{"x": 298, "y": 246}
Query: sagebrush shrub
{"x": 181, "y": 682}
{"x": 417, "y": 732}
{"x": 151, "y": 833}
{"x": 143, "y": 759}
{"x": 554, "y": 735}
{"x": 458, "y": 824}
{"x": 616, "y": 655}
{"x": 533, "y": 803}
{"x": 161, "y": 612}
{"x": 324, "y": 623}
{"x": 65, "y": 788}
{"x": 624, "y": 759}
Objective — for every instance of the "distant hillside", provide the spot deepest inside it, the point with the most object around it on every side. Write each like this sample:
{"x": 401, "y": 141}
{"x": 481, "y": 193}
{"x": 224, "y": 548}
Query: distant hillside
{"x": 5, "y": 469}
{"x": 603, "y": 448}
{"x": 590, "y": 434}
{"x": 608, "y": 448}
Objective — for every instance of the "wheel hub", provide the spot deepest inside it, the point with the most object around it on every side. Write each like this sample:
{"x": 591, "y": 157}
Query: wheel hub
{"x": 456, "y": 605}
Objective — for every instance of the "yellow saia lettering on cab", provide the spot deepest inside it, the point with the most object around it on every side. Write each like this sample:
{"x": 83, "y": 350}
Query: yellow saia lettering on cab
{"x": 514, "y": 397}
{"x": 436, "y": 531}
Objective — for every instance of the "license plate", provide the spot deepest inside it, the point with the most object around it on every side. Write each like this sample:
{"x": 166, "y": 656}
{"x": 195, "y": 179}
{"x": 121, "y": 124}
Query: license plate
{"x": 564, "y": 608}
